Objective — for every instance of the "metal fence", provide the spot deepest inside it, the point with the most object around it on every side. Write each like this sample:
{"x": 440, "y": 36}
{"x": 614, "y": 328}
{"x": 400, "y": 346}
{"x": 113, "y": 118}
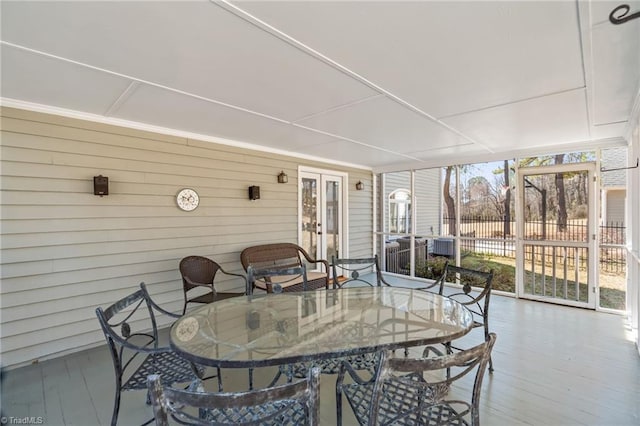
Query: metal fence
{"x": 613, "y": 254}
{"x": 486, "y": 235}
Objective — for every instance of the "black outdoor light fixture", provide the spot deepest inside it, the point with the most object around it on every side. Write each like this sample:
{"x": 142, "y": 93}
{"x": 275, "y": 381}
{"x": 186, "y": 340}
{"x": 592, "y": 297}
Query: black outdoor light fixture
{"x": 359, "y": 185}
{"x": 282, "y": 177}
{"x": 254, "y": 193}
{"x": 100, "y": 185}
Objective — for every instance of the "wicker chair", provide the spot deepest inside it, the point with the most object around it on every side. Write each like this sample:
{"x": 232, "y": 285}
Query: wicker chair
{"x": 296, "y": 403}
{"x": 137, "y": 354}
{"x": 199, "y": 272}
{"x": 417, "y": 391}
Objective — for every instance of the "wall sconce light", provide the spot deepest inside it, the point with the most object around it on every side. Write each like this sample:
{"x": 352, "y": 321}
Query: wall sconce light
{"x": 100, "y": 185}
{"x": 254, "y": 193}
{"x": 359, "y": 185}
{"x": 282, "y": 177}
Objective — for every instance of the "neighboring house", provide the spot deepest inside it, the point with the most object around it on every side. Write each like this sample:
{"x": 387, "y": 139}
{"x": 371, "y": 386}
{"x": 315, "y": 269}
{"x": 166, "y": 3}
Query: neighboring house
{"x": 613, "y": 186}
{"x": 396, "y": 203}
{"x": 397, "y": 209}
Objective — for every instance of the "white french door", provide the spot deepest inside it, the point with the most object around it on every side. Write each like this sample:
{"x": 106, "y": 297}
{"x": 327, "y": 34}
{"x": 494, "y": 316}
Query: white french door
{"x": 321, "y": 212}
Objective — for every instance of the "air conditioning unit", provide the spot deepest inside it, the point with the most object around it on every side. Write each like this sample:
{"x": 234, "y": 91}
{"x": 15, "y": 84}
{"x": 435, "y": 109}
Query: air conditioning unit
{"x": 443, "y": 247}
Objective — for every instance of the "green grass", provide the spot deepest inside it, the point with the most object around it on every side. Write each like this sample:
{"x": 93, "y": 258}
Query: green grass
{"x": 504, "y": 278}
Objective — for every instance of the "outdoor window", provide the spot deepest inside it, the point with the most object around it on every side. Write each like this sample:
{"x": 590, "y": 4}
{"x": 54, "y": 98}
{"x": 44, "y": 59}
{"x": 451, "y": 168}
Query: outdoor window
{"x": 400, "y": 211}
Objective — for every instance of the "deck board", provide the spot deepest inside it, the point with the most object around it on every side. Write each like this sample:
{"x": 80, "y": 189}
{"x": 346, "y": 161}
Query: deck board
{"x": 554, "y": 365}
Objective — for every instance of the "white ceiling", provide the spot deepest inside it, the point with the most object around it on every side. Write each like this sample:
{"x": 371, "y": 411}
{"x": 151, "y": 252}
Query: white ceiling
{"x": 380, "y": 84}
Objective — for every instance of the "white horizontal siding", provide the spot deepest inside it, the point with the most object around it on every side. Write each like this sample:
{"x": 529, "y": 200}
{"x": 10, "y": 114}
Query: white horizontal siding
{"x": 614, "y": 158}
{"x": 65, "y": 251}
{"x": 615, "y": 206}
{"x": 428, "y": 190}
{"x": 360, "y": 215}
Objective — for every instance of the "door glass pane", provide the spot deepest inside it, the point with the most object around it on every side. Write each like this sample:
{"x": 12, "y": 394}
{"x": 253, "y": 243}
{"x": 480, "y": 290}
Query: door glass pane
{"x": 332, "y": 226}
{"x": 310, "y": 215}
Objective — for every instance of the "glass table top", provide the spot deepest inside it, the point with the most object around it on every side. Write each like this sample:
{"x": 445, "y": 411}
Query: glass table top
{"x": 272, "y": 329}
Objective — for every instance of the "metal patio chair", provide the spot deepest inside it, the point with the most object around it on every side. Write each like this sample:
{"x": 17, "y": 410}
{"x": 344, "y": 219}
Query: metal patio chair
{"x": 131, "y": 331}
{"x": 290, "y": 404}
{"x": 357, "y": 271}
{"x": 349, "y": 272}
{"x": 276, "y": 279}
{"x": 475, "y": 294}
{"x": 421, "y": 391}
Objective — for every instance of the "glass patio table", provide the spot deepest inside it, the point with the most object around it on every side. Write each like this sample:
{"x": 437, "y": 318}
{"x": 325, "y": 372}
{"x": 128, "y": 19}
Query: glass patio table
{"x": 277, "y": 329}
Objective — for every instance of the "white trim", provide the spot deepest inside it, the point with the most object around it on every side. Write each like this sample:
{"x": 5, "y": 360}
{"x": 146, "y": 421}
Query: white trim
{"x": 375, "y": 192}
{"x": 115, "y": 106}
{"x": 456, "y": 159}
{"x": 30, "y": 106}
{"x": 141, "y": 81}
{"x": 634, "y": 118}
{"x": 583, "y": 10}
{"x": 414, "y": 224}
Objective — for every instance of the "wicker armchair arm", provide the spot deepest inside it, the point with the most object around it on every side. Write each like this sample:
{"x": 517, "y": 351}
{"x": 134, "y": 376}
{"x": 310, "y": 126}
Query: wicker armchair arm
{"x": 232, "y": 274}
{"x": 193, "y": 283}
{"x": 312, "y": 260}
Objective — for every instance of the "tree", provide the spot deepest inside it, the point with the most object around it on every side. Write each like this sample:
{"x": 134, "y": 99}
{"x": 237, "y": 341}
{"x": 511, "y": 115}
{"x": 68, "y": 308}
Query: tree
{"x": 449, "y": 201}
{"x": 562, "y": 201}
{"x": 507, "y": 201}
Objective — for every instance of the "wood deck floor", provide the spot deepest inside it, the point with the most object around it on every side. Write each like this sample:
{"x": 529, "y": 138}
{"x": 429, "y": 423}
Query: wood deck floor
{"x": 554, "y": 365}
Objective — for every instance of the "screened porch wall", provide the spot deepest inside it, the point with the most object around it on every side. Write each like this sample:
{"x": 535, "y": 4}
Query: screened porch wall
{"x": 487, "y": 237}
